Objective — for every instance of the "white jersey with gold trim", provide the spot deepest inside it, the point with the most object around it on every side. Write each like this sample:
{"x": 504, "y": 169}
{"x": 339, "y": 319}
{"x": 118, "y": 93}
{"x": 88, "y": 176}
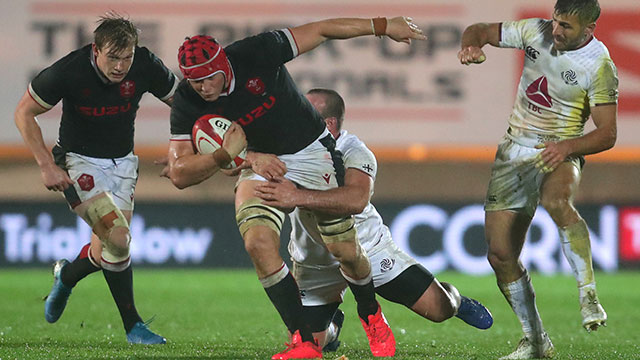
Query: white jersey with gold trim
{"x": 557, "y": 88}
{"x": 306, "y": 244}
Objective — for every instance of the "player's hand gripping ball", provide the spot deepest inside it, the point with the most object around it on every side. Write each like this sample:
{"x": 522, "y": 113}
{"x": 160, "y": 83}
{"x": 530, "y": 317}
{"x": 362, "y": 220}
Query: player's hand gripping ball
{"x": 208, "y": 133}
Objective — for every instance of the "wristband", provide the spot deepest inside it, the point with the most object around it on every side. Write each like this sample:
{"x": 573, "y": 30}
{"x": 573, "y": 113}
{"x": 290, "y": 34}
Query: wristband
{"x": 222, "y": 157}
{"x": 379, "y": 26}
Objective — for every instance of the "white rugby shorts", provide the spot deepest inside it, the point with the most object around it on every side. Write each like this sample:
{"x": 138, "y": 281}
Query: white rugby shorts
{"x": 93, "y": 176}
{"x": 311, "y": 167}
{"x": 515, "y": 180}
{"x": 321, "y": 285}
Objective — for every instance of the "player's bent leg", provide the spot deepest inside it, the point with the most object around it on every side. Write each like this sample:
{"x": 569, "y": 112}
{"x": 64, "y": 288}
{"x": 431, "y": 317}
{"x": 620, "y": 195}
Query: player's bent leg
{"x": 558, "y": 190}
{"x": 469, "y": 310}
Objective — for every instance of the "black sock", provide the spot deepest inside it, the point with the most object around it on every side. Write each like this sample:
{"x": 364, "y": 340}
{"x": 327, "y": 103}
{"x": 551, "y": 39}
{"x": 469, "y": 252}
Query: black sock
{"x": 78, "y": 269}
{"x": 285, "y": 296}
{"x": 365, "y": 296}
{"x": 121, "y": 286}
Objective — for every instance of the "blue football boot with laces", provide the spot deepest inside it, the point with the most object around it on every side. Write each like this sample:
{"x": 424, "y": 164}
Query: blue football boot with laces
{"x": 474, "y": 313}
{"x": 338, "y": 320}
{"x": 140, "y": 334}
{"x": 56, "y": 301}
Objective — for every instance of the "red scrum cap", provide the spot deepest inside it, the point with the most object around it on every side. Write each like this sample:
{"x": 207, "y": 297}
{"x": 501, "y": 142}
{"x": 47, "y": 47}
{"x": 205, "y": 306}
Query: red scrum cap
{"x": 201, "y": 56}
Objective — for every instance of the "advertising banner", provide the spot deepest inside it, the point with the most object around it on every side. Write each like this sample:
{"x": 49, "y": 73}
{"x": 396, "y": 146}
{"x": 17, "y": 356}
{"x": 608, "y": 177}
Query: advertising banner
{"x": 440, "y": 236}
{"x": 396, "y": 95}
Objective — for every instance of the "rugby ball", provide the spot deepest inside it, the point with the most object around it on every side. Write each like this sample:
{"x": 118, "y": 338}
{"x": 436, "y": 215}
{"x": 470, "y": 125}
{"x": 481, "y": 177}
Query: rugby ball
{"x": 207, "y": 134}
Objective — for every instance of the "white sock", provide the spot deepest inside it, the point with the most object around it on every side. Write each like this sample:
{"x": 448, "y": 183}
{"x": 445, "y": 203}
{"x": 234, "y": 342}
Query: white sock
{"x": 576, "y": 247}
{"x": 332, "y": 333}
{"x": 522, "y": 299}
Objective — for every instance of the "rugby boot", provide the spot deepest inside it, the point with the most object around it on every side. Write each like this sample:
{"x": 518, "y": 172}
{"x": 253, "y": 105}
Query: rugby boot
{"x": 541, "y": 348}
{"x": 338, "y": 320}
{"x": 381, "y": 340}
{"x": 593, "y": 314}
{"x": 140, "y": 334}
{"x": 299, "y": 349}
{"x": 474, "y": 313}
{"x": 56, "y": 301}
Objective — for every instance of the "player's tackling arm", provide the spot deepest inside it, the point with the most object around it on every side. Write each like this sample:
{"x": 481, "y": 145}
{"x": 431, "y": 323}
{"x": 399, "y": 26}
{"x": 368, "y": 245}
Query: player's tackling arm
{"x": 53, "y": 177}
{"x": 474, "y": 38}
{"x": 349, "y": 199}
{"x": 311, "y": 35}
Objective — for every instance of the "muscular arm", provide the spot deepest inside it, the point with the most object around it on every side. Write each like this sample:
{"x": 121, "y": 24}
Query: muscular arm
{"x": 474, "y": 38}
{"x": 53, "y": 177}
{"x": 310, "y": 36}
{"x": 600, "y": 139}
{"x": 349, "y": 199}
{"x": 187, "y": 168}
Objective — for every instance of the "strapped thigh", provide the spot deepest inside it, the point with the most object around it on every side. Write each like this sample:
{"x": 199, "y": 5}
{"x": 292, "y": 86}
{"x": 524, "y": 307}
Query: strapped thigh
{"x": 254, "y": 213}
{"x": 337, "y": 230}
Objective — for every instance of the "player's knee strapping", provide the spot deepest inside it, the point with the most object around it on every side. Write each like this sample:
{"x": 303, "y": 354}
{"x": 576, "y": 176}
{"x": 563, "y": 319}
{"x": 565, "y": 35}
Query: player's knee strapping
{"x": 338, "y": 230}
{"x": 111, "y": 226}
{"x": 254, "y": 213}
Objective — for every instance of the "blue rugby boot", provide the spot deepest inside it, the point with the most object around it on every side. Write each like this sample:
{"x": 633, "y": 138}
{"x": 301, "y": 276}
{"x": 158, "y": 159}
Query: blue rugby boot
{"x": 474, "y": 313}
{"x": 56, "y": 301}
{"x": 338, "y": 320}
{"x": 140, "y": 334}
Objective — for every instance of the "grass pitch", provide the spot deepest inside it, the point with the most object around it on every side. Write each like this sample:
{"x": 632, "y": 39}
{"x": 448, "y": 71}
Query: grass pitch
{"x": 215, "y": 314}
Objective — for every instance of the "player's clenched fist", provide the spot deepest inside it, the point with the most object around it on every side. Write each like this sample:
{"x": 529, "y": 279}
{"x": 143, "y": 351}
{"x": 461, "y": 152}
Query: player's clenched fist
{"x": 471, "y": 55}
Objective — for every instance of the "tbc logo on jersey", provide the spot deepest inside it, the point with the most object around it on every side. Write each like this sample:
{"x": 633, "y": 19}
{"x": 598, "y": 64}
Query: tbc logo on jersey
{"x": 327, "y": 177}
{"x": 127, "y": 89}
{"x": 85, "y": 181}
{"x": 531, "y": 53}
{"x": 255, "y": 86}
{"x": 367, "y": 168}
{"x": 387, "y": 264}
{"x": 539, "y": 93}
{"x": 569, "y": 77}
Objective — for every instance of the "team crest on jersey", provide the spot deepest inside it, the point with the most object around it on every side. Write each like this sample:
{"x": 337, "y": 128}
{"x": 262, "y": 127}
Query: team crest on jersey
{"x": 538, "y": 92}
{"x": 255, "y": 86}
{"x": 367, "y": 168}
{"x": 85, "y": 181}
{"x": 569, "y": 77}
{"x": 127, "y": 88}
{"x": 387, "y": 264}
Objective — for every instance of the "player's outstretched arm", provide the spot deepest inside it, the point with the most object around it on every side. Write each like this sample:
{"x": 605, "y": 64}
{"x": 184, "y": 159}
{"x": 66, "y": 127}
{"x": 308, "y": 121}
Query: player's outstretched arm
{"x": 474, "y": 38}
{"x": 349, "y": 199}
{"x": 53, "y": 177}
{"x": 311, "y": 35}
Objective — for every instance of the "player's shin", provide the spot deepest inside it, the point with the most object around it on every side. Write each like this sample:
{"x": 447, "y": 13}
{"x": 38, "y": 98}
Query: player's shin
{"x": 284, "y": 294}
{"x": 577, "y": 249}
{"x": 522, "y": 298}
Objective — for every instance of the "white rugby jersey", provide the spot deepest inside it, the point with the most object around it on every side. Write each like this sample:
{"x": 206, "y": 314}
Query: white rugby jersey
{"x": 306, "y": 244}
{"x": 557, "y": 88}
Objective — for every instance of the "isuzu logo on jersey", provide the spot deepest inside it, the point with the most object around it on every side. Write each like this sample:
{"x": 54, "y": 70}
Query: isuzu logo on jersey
{"x": 127, "y": 88}
{"x": 531, "y": 53}
{"x": 257, "y": 112}
{"x": 103, "y": 110}
{"x": 539, "y": 93}
{"x": 569, "y": 77}
{"x": 255, "y": 86}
